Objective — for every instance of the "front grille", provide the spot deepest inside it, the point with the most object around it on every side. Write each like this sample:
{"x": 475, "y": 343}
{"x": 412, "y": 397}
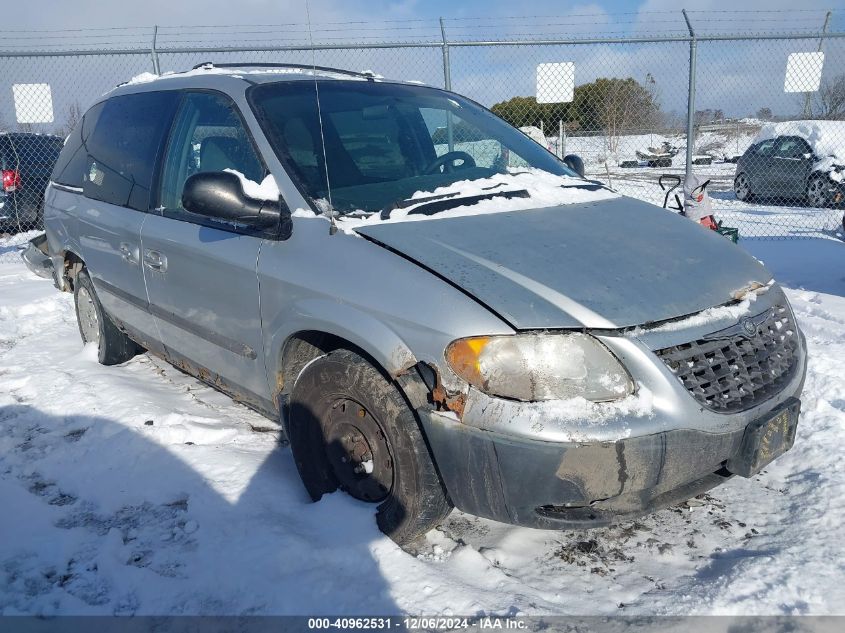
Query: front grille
{"x": 733, "y": 370}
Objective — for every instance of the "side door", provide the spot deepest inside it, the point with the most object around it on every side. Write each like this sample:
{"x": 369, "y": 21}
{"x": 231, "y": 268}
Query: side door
{"x": 791, "y": 166}
{"x": 201, "y": 272}
{"x": 121, "y": 154}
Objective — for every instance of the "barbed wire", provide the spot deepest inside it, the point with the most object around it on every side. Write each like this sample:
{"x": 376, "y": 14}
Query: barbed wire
{"x": 463, "y": 28}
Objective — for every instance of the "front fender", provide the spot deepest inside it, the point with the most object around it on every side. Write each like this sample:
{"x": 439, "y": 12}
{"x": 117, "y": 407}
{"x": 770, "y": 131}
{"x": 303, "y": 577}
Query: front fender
{"x": 373, "y": 336}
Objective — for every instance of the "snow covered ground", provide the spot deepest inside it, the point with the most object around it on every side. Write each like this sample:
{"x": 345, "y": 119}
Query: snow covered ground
{"x": 138, "y": 490}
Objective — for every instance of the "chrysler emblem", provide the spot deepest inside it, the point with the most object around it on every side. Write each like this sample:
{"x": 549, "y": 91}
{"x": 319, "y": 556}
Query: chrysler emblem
{"x": 748, "y": 326}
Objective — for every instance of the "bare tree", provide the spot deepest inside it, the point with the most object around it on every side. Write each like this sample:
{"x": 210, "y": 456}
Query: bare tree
{"x": 764, "y": 114}
{"x": 830, "y": 98}
{"x": 617, "y": 107}
{"x": 73, "y": 115}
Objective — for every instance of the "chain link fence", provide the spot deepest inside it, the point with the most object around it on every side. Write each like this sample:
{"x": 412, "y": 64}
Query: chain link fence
{"x": 765, "y": 111}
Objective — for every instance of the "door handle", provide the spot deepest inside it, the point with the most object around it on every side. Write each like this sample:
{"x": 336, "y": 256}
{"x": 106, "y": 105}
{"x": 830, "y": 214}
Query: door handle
{"x": 128, "y": 253}
{"x": 154, "y": 260}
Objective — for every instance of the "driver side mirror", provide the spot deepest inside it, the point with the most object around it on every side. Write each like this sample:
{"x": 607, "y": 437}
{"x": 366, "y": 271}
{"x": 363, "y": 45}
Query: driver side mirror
{"x": 574, "y": 162}
{"x": 220, "y": 195}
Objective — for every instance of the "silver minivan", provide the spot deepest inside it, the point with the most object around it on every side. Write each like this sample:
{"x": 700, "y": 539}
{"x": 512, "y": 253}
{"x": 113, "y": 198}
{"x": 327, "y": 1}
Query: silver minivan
{"x": 439, "y": 311}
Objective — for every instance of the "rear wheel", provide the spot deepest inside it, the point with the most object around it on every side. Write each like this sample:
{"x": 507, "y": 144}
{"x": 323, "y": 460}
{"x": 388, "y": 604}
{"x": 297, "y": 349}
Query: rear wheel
{"x": 351, "y": 429}
{"x": 742, "y": 188}
{"x": 817, "y": 192}
{"x": 95, "y": 326}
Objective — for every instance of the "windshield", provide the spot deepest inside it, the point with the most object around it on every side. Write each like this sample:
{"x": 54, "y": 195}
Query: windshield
{"x": 385, "y": 142}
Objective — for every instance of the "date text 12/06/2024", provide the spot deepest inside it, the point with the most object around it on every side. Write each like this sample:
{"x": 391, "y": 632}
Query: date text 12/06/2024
{"x": 418, "y": 623}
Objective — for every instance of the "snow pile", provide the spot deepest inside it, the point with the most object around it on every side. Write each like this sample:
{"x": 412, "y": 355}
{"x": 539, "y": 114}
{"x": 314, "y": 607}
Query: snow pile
{"x": 544, "y": 190}
{"x": 144, "y": 78}
{"x": 267, "y": 189}
{"x": 574, "y": 419}
{"x": 579, "y": 416}
{"x": 826, "y": 138}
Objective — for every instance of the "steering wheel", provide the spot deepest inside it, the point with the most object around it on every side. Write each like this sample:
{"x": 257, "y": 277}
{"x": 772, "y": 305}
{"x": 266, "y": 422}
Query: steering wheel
{"x": 447, "y": 162}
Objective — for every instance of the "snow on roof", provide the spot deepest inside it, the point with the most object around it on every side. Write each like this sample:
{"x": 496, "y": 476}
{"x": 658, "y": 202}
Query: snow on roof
{"x": 237, "y": 73}
{"x": 826, "y": 138}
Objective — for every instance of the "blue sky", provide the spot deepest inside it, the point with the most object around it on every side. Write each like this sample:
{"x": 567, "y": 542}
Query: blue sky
{"x": 43, "y": 14}
{"x": 738, "y": 78}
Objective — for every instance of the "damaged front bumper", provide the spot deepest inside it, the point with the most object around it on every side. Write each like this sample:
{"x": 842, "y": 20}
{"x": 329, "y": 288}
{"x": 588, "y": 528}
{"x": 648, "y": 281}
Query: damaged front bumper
{"x": 537, "y": 465}
{"x": 576, "y": 485}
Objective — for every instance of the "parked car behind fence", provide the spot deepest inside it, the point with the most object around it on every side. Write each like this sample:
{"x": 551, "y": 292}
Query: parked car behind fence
{"x": 26, "y": 161}
{"x": 795, "y": 160}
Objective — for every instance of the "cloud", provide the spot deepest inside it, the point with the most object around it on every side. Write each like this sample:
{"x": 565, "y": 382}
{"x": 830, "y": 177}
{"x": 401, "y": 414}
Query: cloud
{"x": 40, "y": 14}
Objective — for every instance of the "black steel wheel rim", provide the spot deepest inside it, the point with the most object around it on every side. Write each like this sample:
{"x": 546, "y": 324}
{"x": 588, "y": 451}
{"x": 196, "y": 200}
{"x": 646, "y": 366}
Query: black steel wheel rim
{"x": 358, "y": 451}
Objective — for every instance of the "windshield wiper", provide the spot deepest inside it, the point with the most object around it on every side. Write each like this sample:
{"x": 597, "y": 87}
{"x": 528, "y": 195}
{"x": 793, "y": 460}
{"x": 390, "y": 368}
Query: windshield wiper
{"x": 409, "y": 202}
{"x": 436, "y": 204}
{"x": 590, "y": 185}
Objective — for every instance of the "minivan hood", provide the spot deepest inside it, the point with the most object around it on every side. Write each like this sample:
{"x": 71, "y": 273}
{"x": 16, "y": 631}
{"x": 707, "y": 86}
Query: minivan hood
{"x": 607, "y": 264}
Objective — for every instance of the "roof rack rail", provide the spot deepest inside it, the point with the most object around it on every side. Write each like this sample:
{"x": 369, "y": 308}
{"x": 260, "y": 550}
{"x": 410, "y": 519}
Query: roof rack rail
{"x": 369, "y": 75}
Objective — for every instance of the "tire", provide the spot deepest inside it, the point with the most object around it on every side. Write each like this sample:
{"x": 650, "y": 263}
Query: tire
{"x": 95, "y": 326}
{"x": 742, "y": 188}
{"x": 344, "y": 414}
{"x": 816, "y": 195}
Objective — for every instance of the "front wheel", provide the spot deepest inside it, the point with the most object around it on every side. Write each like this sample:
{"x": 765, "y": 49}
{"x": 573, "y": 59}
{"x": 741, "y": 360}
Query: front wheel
{"x": 95, "y": 326}
{"x": 817, "y": 192}
{"x": 351, "y": 428}
{"x": 742, "y": 188}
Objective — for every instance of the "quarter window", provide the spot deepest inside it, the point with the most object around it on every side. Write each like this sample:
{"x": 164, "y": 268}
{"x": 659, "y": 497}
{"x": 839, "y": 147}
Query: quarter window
{"x": 208, "y": 136}
{"x": 72, "y": 164}
{"x": 123, "y": 149}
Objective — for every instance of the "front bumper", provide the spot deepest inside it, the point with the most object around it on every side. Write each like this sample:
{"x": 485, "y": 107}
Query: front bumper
{"x": 539, "y": 465}
{"x": 573, "y": 485}
{"x": 836, "y": 193}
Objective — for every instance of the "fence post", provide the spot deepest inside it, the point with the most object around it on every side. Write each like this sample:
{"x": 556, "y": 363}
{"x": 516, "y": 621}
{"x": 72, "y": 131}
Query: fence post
{"x": 447, "y": 69}
{"x": 447, "y": 84}
{"x": 690, "y": 95}
{"x": 154, "y": 52}
{"x": 808, "y": 109}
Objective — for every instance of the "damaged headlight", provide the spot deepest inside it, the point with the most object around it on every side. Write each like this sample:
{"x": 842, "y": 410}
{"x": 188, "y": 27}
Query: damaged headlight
{"x": 534, "y": 367}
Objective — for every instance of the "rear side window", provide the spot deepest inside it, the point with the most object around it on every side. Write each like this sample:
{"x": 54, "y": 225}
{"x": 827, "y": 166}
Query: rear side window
{"x": 122, "y": 150}
{"x": 73, "y": 159}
